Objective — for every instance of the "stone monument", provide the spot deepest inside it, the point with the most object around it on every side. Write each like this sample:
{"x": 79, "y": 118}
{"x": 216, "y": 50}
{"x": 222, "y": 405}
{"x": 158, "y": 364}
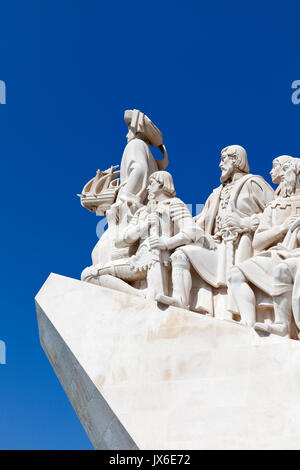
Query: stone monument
{"x": 184, "y": 332}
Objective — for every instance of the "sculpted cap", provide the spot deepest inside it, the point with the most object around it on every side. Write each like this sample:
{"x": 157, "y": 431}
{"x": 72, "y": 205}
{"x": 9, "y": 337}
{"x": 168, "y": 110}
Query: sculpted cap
{"x": 138, "y": 122}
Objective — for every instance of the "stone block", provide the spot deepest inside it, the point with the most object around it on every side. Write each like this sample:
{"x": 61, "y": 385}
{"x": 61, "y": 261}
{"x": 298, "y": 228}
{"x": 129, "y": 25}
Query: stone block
{"x": 140, "y": 375}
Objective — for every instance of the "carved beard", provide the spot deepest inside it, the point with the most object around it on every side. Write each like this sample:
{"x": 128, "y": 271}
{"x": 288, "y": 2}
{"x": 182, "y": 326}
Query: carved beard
{"x": 288, "y": 184}
{"x": 226, "y": 174}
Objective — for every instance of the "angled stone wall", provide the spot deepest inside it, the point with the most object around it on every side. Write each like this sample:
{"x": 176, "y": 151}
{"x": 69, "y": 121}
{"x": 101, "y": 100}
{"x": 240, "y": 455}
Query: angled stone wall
{"x": 140, "y": 375}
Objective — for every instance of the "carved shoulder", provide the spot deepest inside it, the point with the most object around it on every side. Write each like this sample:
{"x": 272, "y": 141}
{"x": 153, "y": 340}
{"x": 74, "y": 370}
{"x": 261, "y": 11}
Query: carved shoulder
{"x": 178, "y": 209}
{"x": 258, "y": 183}
{"x": 261, "y": 190}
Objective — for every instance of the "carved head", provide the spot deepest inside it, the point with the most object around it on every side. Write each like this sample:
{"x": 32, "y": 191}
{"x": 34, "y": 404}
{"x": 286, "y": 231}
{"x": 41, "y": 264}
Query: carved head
{"x": 233, "y": 158}
{"x": 160, "y": 182}
{"x": 285, "y": 172}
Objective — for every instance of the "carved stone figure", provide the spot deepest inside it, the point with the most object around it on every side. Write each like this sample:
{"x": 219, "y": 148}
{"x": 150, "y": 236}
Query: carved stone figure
{"x": 137, "y": 162}
{"x": 137, "y": 165}
{"x": 239, "y": 257}
{"x": 274, "y": 268}
{"x": 161, "y": 226}
{"x": 225, "y": 230}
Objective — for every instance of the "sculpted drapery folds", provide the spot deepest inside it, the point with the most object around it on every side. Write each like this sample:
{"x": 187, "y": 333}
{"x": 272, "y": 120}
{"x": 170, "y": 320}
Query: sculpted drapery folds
{"x": 156, "y": 229}
{"x": 238, "y": 258}
{"x": 275, "y": 267}
{"x": 137, "y": 164}
{"x": 224, "y": 233}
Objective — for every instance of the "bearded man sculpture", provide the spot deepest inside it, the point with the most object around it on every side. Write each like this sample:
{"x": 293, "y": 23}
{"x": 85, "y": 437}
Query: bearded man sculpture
{"x": 225, "y": 230}
{"x": 274, "y": 269}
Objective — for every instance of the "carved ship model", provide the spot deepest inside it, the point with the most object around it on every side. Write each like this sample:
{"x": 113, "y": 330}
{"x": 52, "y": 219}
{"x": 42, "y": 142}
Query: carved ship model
{"x": 101, "y": 191}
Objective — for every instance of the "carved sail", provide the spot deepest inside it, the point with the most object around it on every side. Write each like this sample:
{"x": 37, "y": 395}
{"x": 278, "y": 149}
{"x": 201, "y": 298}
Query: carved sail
{"x": 101, "y": 191}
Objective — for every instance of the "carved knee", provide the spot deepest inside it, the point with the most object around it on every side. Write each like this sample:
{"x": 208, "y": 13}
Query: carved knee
{"x": 282, "y": 273}
{"x": 179, "y": 259}
{"x": 235, "y": 276}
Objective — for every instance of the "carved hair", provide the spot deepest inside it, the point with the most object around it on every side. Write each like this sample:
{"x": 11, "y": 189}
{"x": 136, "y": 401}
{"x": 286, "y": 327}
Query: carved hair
{"x": 166, "y": 180}
{"x": 294, "y": 162}
{"x": 239, "y": 155}
{"x": 288, "y": 182}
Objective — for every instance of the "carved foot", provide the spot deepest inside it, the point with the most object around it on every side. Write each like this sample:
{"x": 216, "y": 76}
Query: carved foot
{"x": 90, "y": 272}
{"x": 265, "y": 327}
{"x": 165, "y": 299}
{"x": 280, "y": 329}
{"x": 96, "y": 270}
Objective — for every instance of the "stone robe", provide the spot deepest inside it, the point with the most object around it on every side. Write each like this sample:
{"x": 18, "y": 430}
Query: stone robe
{"x": 175, "y": 223}
{"x": 260, "y": 268}
{"x": 137, "y": 165}
{"x": 248, "y": 197}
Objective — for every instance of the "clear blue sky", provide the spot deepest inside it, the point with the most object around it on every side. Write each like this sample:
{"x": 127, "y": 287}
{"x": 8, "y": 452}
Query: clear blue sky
{"x": 209, "y": 74}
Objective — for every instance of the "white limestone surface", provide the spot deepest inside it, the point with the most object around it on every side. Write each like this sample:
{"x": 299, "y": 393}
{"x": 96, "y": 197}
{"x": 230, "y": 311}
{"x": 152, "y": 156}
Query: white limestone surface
{"x": 140, "y": 374}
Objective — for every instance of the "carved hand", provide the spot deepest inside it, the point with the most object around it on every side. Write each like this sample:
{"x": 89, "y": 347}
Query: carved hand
{"x": 289, "y": 223}
{"x": 158, "y": 242}
{"x": 153, "y": 219}
{"x": 115, "y": 206}
{"x": 233, "y": 220}
{"x": 207, "y": 241}
{"x": 295, "y": 224}
{"x": 111, "y": 217}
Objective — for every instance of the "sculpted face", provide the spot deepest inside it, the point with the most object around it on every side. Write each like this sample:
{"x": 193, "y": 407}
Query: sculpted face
{"x": 227, "y": 166}
{"x": 284, "y": 173}
{"x": 154, "y": 189}
{"x": 130, "y": 135}
{"x": 278, "y": 171}
{"x": 127, "y": 118}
